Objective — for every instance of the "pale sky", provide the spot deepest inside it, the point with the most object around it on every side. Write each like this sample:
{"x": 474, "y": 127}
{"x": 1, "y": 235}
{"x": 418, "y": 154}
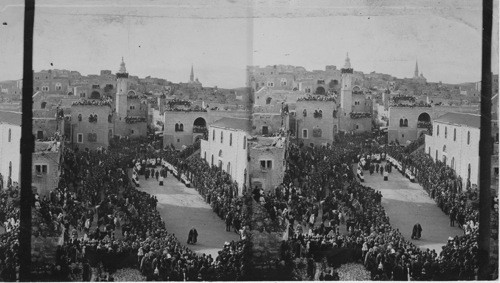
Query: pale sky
{"x": 220, "y": 38}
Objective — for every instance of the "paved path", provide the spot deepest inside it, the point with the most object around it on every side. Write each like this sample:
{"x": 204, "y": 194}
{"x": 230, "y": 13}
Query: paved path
{"x": 183, "y": 208}
{"x": 407, "y": 203}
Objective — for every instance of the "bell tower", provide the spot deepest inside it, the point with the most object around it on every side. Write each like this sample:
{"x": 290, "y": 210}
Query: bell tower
{"x": 346, "y": 88}
{"x": 122, "y": 90}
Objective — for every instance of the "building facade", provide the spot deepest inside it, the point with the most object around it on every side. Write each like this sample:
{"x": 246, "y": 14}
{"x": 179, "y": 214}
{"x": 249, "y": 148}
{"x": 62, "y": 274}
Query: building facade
{"x": 46, "y": 169}
{"x": 316, "y": 120}
{"x": 227, "y": 148}
{"x": 91, "y": 124}
{"x": 10, "y": 147}
{"x": 455, "y": 142}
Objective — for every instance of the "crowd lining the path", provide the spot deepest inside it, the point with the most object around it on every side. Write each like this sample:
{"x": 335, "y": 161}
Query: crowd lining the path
{"x": 107, "y": 223}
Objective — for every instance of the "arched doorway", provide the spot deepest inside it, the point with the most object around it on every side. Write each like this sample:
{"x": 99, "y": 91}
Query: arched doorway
{"x": 320, "y": 90}
{"x": 95, "y": 95}
{"x": 199, "y": 125}
{"x": 424, "y": 121}
{"x": 333, "y": 83}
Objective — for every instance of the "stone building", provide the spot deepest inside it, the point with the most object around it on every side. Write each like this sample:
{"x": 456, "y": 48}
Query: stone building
{"x": 355, "y": 109}
{"x": 131, "y": 118}
{"x": 183, "y": 125}
{"x": 316, "y": 120}
{"x": 269, "y": 124}
{"x": 455, "y": 142}
{"x": 272, "y": 97}
{"x": 266, "y": 161}
{"x": 407, "y": 123}
{"x": 47, "y": 127}
{"x": 10, "y": 146}
{"x": 91, "y": 124}
{"x": 51, "y": 81}
{"x": 47, "y": 158}
{"x": 251, "y": 160}
{"x": 227, "y": 148}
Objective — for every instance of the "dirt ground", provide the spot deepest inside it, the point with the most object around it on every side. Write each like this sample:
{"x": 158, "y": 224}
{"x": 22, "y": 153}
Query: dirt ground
{"x": 183, "y": 208}
{"x": 407, "y": 203}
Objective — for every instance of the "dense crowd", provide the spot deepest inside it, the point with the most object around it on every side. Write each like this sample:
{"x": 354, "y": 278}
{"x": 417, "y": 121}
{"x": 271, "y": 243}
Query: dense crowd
{"x": 105, "y": 222}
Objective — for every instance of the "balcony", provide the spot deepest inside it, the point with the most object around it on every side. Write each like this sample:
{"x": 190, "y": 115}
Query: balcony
{"x": 424, "y": 125}
{"x": 199, "y": 129}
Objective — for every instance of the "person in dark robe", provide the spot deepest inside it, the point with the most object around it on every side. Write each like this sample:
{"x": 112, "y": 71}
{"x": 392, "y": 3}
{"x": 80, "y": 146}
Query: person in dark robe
{"x": 157, "y": 174}
{"x": 417, "y": 231}
{"x": 192, "y": 236}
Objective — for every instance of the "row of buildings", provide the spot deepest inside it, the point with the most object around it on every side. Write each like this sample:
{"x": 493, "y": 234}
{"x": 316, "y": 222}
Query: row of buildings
{"x": 248, "y": 142}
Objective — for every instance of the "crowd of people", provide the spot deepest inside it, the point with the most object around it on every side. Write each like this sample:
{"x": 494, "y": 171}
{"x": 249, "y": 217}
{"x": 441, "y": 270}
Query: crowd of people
{"x": 105, "y": 222}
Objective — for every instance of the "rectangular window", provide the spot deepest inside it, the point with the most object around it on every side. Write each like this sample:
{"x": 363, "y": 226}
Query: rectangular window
{"x": 266, "y": 164}
{"x": 79, "y": 138}
{"x": 41, "y": 169}
{"x": 304, "y": 133}
{"x": 265, "y": 130}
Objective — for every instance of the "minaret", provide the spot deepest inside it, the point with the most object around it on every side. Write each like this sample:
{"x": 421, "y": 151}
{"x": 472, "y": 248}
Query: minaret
{"x": 191, "y": 77}
{"x": 416, "y": 70}
{"x": 346, "y": 88}
{"x": 121, "y": 91}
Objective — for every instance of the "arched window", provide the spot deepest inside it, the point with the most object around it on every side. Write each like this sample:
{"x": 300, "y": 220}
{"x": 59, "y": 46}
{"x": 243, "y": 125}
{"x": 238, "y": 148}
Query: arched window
{"x": 445, "y": 132}
{"x": 304, "y": 113}
{"x": 444, "y": 148}
{"x": 436, "y": 155}
{"x": 268, "y": 100}
{"x": 213, "y": 135}
{"x": 10, "y": 169}
{"x": 181, "y": 127}
{"x": 468, "y": 172}
{"x": 468, "y": 137}
{"x": 44, "y": 104}
{"x": 95, "y": 118}
{"x": 205, "y": 155}
{"x": 230, "y": 139}
{"x": 401, "y": 123}
{"x": 110, "y": 118}
{"x": 176, "y": 127}
{"x": 452, "y": 165}
{"x": 228, "y": 168}
{"x": 10, "y": 134}
{"x": 406, "y": 122}
{"x": 454, "y": 134}
{"x": 220, "y": 153}
{"x": 244, "y": 142}
{"x": 212, "y": 163}
{"x": 79, "y": 117}
{"x": 221, "y": 137}
{"x": 437, "y": 130}
{"x": 429, "y": 150}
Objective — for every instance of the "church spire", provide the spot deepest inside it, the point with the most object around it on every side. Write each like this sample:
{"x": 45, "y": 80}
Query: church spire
{"x": 191, "y": 77}
{"x": 416, "y": 70}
